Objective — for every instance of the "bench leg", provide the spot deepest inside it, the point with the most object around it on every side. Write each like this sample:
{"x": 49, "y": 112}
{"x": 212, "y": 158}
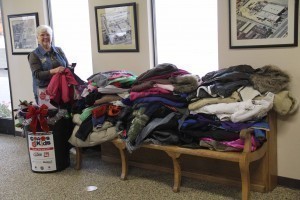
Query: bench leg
{"x": 177, "y": 170}
{"x": 245, "y": 176}
{"x": 78, "y": 158}
{"x": 124, "y": 159}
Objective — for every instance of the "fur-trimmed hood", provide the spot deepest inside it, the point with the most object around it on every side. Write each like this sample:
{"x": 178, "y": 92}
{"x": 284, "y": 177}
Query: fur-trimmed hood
{"x": 185, "y": 83}
{"x": 270, "y": 78}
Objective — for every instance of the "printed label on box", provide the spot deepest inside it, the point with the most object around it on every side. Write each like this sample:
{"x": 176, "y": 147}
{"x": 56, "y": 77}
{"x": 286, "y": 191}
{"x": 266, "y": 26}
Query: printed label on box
{"x": 41, "y": 151}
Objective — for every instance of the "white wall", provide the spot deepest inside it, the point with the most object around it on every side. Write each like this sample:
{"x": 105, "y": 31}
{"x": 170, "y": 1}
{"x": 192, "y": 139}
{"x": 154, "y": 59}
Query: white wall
{"x": 288, "y": 59}
{"x": 285, "y": 58}
{"x": 136, "y": 62}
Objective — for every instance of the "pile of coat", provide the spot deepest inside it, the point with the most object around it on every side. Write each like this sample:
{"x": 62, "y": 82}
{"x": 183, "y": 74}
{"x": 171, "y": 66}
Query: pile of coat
{"x": 168, "y": 105}
{"x": 158, "y": 98}
{"x": 96, "y": 112}
{"x": 209, "y": 112}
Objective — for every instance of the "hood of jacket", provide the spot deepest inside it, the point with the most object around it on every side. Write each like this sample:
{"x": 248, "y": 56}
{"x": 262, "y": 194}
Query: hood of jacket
{"x": 186, "y": 83}
{"x": 270, "y": 78}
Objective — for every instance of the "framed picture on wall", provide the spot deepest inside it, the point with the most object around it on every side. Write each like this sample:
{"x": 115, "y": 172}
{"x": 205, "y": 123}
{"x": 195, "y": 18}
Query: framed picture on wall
{"x": 257, "y": 24}
{"x": 117, "y": 28}
{"x": 22, "y": 32}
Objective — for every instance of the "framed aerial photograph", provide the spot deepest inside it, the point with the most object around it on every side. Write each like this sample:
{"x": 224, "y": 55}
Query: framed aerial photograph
{"x": 258, "y": 24}
{"x": 22, "y": 32}
{"x": 117, "y": 28}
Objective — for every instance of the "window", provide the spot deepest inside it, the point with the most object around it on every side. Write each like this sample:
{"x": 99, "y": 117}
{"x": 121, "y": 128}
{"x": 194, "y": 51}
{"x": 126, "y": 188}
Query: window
{"x": 71, "y": 27}
{"x": 187, "y": 35}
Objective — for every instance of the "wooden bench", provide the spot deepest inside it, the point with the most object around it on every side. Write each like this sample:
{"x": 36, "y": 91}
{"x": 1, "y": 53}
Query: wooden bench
{"x": 266, "y": 169}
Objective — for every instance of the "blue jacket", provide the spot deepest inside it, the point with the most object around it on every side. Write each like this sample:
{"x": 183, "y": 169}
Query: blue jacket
{"x": 46, "y": 62}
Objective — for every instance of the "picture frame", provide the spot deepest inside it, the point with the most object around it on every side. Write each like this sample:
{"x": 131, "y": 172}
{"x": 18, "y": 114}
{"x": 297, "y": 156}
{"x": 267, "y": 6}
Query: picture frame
{"x": 117, "y": 28}
{"x": 22, "y": 29}
{"x": 261, "y": 24}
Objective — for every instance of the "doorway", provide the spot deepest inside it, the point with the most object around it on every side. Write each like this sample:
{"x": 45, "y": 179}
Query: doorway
{"x": 6, "y": 116}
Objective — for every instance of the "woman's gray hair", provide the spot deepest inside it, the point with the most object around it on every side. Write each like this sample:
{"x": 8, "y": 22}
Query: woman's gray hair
{"x": 44, "y": 28}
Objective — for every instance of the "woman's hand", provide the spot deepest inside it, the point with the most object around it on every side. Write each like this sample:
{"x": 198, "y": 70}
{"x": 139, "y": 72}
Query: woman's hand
{"x": 56, "y": 70}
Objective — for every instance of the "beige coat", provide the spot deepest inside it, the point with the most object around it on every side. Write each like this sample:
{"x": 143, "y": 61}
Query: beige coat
{"x": 96, "y": 137}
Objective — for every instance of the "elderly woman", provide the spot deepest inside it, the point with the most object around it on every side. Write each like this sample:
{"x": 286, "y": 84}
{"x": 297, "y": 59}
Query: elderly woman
{"x": 46, "y": 60}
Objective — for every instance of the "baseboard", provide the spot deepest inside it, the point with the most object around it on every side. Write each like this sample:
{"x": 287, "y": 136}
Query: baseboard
{"x": 18, "y": 133}
{"x": 288, "y": 182}
{"x": 7, "y": 126}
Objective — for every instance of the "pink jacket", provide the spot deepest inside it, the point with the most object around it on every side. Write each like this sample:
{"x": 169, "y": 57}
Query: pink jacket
{"x": 60, "y": 88}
